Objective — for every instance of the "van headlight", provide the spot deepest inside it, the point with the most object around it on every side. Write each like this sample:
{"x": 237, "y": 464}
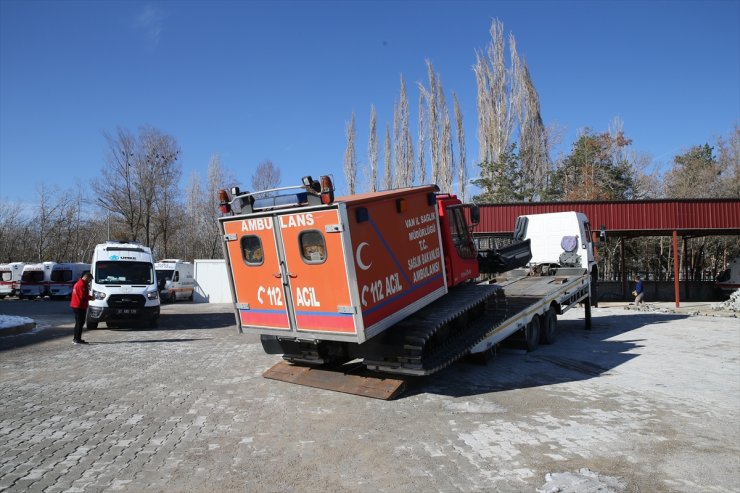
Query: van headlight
{"x": 98, "y": 295}
{"x": 152, "y": 295}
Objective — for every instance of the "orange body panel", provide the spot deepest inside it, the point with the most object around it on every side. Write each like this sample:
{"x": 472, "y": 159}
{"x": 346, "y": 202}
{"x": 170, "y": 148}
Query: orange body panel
{"x": 381, "y": 260}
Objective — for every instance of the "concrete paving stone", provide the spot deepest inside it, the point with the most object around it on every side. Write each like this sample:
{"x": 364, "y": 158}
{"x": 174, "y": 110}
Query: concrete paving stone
{"x": 187, "y": 410}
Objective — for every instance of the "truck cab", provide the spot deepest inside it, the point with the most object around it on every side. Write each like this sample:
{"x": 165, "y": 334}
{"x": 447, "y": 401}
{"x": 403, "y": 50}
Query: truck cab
{"x": 558, "y": 241}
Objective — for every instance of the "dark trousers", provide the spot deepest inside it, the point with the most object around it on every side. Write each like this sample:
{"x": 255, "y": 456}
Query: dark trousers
{"x": 79, "y": 322}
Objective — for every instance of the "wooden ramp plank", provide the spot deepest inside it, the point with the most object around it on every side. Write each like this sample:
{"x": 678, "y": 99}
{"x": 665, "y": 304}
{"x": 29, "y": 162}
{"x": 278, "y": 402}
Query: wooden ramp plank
{"x": 364, "y": 383}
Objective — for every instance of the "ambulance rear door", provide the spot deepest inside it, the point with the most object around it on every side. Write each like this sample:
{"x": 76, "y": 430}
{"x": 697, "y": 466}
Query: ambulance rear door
{"x": 317, "y": 275}
{"x": 256, "y": 274}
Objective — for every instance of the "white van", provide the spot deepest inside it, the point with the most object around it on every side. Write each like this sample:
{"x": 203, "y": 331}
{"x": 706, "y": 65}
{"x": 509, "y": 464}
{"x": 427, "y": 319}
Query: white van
{"x": 35, "y": 280}
{"x": 175, "y": 279}
{"x": 124, "y": 285}
{"x": 729, "y": 279}
{"x": 10, "y": 279}
{"x": 63, "y": 278}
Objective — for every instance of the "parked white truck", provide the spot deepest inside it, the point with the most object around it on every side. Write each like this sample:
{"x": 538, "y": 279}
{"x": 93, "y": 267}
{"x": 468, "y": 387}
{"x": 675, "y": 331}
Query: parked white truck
{"x": 10, "y": 279}
{"x": 35, "y": 280}
{"x": 63, "y": 278}
{"x": 124, "y": 286}
{"x": 561, "y": 274}
{"x": 175, "y": 279}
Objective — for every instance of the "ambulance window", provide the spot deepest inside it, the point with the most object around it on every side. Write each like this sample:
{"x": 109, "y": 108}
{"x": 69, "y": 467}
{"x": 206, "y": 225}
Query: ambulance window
{"x": 177, "y": 277}
{"x": 313, "y": 247}
{"x": 252, "y": 250}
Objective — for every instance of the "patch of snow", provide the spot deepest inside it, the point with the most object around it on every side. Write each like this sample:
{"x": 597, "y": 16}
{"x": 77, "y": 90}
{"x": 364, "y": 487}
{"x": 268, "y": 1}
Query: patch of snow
{"x": 11, "y": 321}
{"x": 582, "y": 481}
{"x": 733, "y": 304}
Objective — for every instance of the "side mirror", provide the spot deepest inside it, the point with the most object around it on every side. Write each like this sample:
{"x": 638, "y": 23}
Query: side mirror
{"x": 475, "y": 215}
{"x": 602, "y": 234}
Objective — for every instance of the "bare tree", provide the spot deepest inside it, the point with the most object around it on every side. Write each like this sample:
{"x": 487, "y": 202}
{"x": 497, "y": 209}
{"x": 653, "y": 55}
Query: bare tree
{"x": 404, "y": 149}
{"x": 495, "y": 105}
{"x": 265, "y": 176}
{"x": 462, "y": 176}
{"x": 397, "y": 167}
{"x": 133, "y": 176}
{"x": 533, "y": 145}
{"x": 218, "y": 179}
{"x": 11, "y": 225}
{"x": 388, "y": 174}
{"x": 350, "y": 156}
{"x": 372, "y": 150}
{"x": 446, "y": 157}
{"x": 433, "y": 122}
{"x": 422, "y": 169}
{"x": 116, "y": 188}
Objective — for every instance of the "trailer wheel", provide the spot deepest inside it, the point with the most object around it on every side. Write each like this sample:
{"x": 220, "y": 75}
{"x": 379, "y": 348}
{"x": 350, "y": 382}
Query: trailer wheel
{"x": 549, "y": 327}
{"x": 532, "y": 333}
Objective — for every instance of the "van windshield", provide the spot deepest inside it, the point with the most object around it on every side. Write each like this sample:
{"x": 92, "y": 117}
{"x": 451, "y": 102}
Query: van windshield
{"x": 123, "y": 272}
{"x": 164, "y": 274}
{"x": 61, "y": 275}
{"x": 33, "y": 276}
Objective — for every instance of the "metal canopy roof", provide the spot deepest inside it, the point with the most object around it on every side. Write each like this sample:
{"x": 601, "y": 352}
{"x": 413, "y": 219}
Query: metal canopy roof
{"x": 687, "y": 217}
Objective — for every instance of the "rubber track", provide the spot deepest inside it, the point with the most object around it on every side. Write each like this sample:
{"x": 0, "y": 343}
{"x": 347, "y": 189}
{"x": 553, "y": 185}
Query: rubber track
{"x": 423, "y": 359}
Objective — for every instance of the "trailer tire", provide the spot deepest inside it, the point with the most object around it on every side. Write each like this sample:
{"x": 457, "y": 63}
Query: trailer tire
{"x": 532, "y": 333}
{"x": 549, "y": 329}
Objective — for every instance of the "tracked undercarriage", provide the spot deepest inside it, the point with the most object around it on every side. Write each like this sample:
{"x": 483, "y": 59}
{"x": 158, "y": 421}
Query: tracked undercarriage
{"x": 426, "y": 342}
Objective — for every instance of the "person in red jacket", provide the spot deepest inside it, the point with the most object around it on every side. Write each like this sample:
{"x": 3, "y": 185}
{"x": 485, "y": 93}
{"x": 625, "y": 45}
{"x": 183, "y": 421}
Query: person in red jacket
{"x": 80, "y": 298}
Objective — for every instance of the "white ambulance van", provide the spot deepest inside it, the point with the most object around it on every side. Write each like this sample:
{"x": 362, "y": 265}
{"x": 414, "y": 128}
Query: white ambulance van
{"x": 63, "y": 278}
{"x": 10, "y": 279}
{"x": 35, "y": 280}
{"x": 175, "y": 279}
{"x": 124, "y": 286}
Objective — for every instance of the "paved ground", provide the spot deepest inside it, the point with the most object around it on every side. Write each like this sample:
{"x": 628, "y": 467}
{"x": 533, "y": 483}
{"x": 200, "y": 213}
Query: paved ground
{"x": 644, "y": 402}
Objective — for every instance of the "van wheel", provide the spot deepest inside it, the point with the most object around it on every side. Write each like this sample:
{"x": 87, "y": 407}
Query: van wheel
{"x": 532, "y": 333}
{"x": 549, "y": 327}
{"x": 190, "y": 298}
{"x": 91, "y": 325}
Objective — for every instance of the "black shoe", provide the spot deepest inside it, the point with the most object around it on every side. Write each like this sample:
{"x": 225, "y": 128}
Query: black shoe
{"x": 80, "y": 342}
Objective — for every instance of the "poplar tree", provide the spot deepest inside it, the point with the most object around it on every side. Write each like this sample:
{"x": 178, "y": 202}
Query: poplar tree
{"x": 388, "y": 175}
{"x": 462, "y": 175}
{"x": 372, "y": 150}
{"x": 422, "y": 167}
{"x": 350, "y": 156}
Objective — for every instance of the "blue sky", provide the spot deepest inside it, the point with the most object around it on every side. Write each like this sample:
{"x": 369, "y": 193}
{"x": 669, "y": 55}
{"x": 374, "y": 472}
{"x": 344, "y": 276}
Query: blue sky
{"x": 279, "y": 80}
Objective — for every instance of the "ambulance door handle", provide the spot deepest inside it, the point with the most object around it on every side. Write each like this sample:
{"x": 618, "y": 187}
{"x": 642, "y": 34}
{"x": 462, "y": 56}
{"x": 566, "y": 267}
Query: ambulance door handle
{"x": 292, "y": 276}
{"x": 277, "y": 275}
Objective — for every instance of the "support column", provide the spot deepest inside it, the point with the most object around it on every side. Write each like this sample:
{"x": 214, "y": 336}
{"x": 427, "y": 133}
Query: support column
{"x": 676, "y": 286}
{"x": 622, "y": 275}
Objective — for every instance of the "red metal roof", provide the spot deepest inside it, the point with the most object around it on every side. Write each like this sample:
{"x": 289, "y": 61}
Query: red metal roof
{"x": 628, "y": 218}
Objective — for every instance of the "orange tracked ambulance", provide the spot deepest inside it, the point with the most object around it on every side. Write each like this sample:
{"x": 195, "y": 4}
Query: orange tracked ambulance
{"x": 306, "y": 266}
{"x": 383, "y": 276}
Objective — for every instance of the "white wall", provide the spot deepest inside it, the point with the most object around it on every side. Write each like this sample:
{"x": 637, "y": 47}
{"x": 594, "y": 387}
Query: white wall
{"x": 211, "y": 282}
